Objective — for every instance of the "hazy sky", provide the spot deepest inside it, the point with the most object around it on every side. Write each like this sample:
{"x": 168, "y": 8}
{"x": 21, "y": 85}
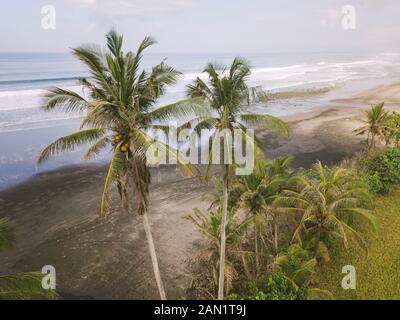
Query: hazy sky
{"x": 205, "y": 26}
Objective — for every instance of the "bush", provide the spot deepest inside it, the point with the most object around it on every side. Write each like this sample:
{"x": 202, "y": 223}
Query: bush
{"x": 383, "y": 172}
{"x": 278, "y": 287}
{"x": 375, "y": 185}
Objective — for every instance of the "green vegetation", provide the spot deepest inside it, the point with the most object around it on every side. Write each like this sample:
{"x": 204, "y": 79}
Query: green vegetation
{"x": 281, "y": 95}
{"x": 375, "y": 124}
{"x": 377, "y": 270}
{"x": 20, "y": 286}
{"x": 383, "y": 171}
{"x": 299, "y": 228}
{"x": 276, "y": 287}
{"x": 380, "y": 124}
{"x": 291, "y": 221}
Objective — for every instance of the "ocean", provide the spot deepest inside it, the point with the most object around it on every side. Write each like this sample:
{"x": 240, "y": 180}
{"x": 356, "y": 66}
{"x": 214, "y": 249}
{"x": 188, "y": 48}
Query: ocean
{"x": 25, "y": 128}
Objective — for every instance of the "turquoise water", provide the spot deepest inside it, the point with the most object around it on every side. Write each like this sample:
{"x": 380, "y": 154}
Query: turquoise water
{"x": 25, "y": 128}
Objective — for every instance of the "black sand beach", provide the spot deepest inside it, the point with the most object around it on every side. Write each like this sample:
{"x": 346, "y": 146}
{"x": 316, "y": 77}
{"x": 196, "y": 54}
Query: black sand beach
{"x": 56, "y": 213}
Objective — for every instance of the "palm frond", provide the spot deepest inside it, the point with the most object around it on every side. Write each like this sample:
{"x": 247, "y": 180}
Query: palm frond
{"x": 70, "y": 142}
{"x": 266, "y": 122}
{"x": 368, "y": 215}
{"x": 114, "y": 42}
{"x": 66, "y": 100}
{"x": 180, "y": 109}
{"x": 115, "y": 171}
{"x": 6, "y": 233}
{"x": 96, "y": 148}
{"x": 24, "y": 286}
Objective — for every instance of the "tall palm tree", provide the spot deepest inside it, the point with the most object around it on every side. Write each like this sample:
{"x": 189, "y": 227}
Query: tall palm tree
{"x": 375, "y": 124}
{"x": 328, "y": 204}
{"x": 19, "y": 286}
{"x": 120, "y": 111}
{"x": 228, "y": 95}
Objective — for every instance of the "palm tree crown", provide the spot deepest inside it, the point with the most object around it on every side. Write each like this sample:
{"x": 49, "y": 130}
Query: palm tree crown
{"x": 375, "y": 123}
{"x": 120, "y": 110}
{"x": 228, "y": 94}
{"x": 329, "y": 204}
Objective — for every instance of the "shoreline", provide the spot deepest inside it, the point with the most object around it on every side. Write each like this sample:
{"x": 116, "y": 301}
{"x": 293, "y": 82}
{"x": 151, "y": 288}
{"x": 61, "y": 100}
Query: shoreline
{"x": 56, "y": 212}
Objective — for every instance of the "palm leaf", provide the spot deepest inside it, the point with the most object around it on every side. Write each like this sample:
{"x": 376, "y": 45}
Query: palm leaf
{"x": 115, "y": 171}
{"x": 180, "y": 109}
{"x": 23, "y": 286}
{"x": 66, "y": 100}
{"x": 96, "y": 148}
{"x": 266, "y": 122}
{"x": 70, "y": 142}
{"x": 6, "y": 233}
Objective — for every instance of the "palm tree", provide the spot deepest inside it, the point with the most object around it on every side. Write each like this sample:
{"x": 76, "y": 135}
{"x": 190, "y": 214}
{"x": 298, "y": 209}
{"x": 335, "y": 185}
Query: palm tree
{"x": 228, "y": 95}
{"x": 256, "y": 193}
{"x": 327, "y": 206}
{"x": 209, "y": 225}
{"x": 19, "y": 286}
{"x": 297, "y": 265}
{"x": 374, "y": 124}
{"x": 391, "y": 130}
{"x": 120, "y": 111}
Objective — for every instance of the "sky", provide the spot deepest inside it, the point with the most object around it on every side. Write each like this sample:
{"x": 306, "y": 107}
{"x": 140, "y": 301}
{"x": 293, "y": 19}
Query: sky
{"x": 205, "y": 26}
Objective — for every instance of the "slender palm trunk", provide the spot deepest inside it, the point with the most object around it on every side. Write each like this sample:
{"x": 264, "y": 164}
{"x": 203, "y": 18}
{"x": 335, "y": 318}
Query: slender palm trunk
{"x": 153, "y": 255}
{"x": 256, "y": 249}
{"x": 246, "y": 267}
{"x": 372, "y": 140}
{"x": 223, "y": 235}
{"x": 276, "y": 235}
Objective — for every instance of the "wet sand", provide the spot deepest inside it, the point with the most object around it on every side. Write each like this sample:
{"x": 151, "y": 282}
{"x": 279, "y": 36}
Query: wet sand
{"x": 57, "y": 222}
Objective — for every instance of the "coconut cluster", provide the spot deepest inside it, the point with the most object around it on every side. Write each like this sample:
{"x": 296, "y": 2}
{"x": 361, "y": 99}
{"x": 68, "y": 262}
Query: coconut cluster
{"x": 122, "y": 140}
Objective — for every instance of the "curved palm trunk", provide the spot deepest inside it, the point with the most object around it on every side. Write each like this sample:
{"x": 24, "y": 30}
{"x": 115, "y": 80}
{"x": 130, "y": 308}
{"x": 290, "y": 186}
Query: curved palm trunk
{"x": 153, "y": 255}
{"x": 223, "y": 235}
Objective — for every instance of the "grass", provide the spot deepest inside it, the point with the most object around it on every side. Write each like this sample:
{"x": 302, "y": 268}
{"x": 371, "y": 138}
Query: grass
{"x": 378, "y": 271}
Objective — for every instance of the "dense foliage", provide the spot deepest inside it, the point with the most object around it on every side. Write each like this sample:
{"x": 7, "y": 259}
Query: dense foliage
{"x": 383, "y": 172}
{"x": 290, "y": 221}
